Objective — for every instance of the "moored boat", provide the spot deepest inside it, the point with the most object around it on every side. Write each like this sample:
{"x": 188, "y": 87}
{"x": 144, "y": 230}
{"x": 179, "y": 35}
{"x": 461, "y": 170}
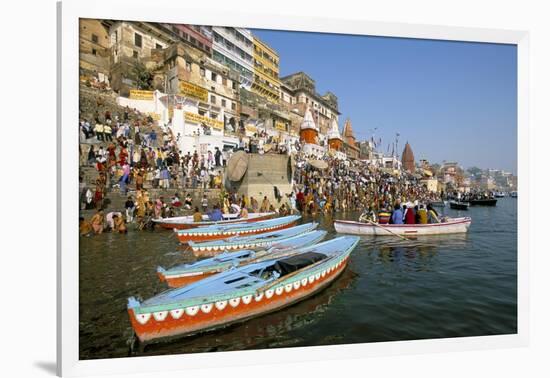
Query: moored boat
{"x": 483, "y": 202}
{"x": 450, "y": 226}
{"x": 185, "y": 274}
{"x": 215, "y": 232}
{"x": 264, "y": 240}
{"x": 239, "y": 294}
{"x": 459, "y": 205}
{"x": 438, "y": 203}
{"x": 186, "y": 222}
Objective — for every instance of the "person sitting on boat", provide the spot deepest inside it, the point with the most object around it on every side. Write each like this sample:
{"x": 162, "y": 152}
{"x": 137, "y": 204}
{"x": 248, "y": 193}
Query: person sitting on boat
{"x": 243, "y": 213}
{"x": 397, "y": 215}
{"x": 410, "y": 216}
{"x": 216, "y": 214}
{"x": 234, "y": 208}
{"x": 422, "y": 215}
{"x": 433, "y": 217}
{"x": 197, "y": 216}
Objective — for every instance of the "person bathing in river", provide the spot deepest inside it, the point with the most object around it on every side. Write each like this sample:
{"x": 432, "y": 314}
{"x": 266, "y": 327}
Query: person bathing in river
{"x": 97, "y": 222}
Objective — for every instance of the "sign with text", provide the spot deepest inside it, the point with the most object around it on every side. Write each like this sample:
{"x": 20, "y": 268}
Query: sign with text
{"x": 197, "y": 118}
{"x": 192, "y": 90}
{"x": 138, "y": 94}
{"x": 280, "y": 125}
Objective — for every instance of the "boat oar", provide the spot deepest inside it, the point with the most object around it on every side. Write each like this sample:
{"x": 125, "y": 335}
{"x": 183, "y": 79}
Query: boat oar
{"x": 385, "y": 229}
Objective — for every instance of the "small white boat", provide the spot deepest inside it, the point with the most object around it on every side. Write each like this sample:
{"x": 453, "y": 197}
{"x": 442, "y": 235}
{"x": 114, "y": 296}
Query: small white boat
{"x": 186, "y": 222}
{"x": 450, "y": 226}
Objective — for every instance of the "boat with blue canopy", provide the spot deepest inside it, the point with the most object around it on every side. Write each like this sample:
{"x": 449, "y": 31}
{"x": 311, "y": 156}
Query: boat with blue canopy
{"x": 241, "y": 293}
{"x": 184, "y": 274}
{"x": 264, "y": 240}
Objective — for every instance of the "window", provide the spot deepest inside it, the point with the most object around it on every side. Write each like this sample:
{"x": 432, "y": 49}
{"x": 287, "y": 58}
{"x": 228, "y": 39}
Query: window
{"x": 157, "y": 46}
{"x": 188, "y": 66}
{"x": 233, "y": 106}
{"x": 214, "y": 76}
{"x": 213, "y": 115}
{"x": 224, "y": 103}
{"x": 202, "y": 112}
{"x": 234, "y": 85}
{"x": 201, "y": 46}
{"x": 137, "y": 40}
{"x": 94, "y": 52}
{"x": 95, "y": 39}
{"x": 213, "y": 99}
{"x": 202, "y": 71}
{"x": 135, "y": 54}
{"x": 193, "y": 40}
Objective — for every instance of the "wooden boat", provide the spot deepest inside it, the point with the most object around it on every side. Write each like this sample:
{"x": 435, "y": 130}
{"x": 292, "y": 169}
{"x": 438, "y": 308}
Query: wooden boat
{"x": 224, "y": 231}
{"x": 264, "y": 240}
{"x": 239, "y": 294}
{"x": 500, "y": 194}
{"x": 185, "y": 274}
{"x": 439, "y": 203}
{"x": 183, "y": 223}
{"x": 514, "y": 194}
{"x": 483, "y": 202}
{"x": 450, "y": 226}
{"x": 459, "y": 205}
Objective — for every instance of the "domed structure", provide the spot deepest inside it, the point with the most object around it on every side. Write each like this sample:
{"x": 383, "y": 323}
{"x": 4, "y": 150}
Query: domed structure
{"x": 334, "y": 138}
{"x": 308, "y": 130}
{"x": 407, "y": 158}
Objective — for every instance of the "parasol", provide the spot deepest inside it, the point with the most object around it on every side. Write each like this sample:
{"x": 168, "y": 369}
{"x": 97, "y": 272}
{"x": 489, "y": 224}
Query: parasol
{"x": 237, "y": 166}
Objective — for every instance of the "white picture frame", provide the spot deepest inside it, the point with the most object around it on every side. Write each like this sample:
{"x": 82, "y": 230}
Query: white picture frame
{"x": 69, "y": 13}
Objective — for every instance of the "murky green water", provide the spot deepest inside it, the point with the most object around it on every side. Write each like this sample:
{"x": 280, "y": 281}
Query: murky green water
{"x": 433, "y": 287}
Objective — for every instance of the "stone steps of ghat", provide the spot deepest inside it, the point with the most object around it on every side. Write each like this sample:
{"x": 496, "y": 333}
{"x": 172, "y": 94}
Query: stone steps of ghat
{"x": 116, "y": 199}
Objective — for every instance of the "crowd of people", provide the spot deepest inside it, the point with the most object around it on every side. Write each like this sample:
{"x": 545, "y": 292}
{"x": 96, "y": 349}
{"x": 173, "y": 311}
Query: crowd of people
{"x": 348, "y": 185}
{"x": 125, "y": 155}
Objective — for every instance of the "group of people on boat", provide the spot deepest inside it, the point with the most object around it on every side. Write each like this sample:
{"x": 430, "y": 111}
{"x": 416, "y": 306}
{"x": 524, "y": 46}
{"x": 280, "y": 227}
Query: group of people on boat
{"x": 407, "y": 213}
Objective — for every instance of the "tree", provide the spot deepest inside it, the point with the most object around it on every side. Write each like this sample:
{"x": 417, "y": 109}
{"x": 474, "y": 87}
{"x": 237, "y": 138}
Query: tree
{"x": 474, "y": 171}
{"x": 142, "y": 76}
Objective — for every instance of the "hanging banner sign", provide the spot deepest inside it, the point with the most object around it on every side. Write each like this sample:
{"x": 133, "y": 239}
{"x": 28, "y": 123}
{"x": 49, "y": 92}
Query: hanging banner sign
{"x": 137, "y": 94}
{"x": 191, "y": 90}
{"x": 197, "y": 118}
{"x": 280, "y": 125}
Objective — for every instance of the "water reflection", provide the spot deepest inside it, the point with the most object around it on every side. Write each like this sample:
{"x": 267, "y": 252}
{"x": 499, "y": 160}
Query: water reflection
{"x": 437, "y": 286}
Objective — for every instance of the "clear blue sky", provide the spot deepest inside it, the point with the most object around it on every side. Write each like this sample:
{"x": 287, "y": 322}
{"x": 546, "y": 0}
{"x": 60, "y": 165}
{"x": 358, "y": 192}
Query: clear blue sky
{"x": 454, "y": 101}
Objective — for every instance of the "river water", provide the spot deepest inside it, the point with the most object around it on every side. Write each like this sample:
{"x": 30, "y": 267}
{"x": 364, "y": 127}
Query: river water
{"x": 432, "y": 287}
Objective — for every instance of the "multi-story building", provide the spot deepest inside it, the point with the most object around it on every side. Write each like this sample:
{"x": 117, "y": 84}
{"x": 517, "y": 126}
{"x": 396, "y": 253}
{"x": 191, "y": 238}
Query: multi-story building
{"x": 206, "y": 90}
{"x": 200, "y": 37}
{"x": 135, "y": 44}
{"x": 95, "y": 48}
{"x": 266, "y": 81}
{"x": 298, "y": 93}
{"x": 234, "y": 47}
